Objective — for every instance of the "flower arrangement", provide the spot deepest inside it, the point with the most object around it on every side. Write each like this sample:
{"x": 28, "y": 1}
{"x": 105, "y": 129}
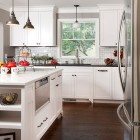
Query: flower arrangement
{"x": 121, "y": 53}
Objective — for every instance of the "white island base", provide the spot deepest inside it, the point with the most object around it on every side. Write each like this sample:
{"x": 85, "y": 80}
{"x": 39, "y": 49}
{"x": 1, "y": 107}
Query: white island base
{"x": 21, "y": 117}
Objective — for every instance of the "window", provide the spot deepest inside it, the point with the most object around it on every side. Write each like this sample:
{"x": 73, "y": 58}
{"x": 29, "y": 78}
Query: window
{"x": 85, "y": 39}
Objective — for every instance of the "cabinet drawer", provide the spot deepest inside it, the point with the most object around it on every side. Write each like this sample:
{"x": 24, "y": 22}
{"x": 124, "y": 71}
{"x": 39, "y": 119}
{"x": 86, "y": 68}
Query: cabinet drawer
{"x": 59, "y": 78}
{"x": 42, "y": 121}
{"x": 53, "y": 79}
{"x": 76, "y": 69}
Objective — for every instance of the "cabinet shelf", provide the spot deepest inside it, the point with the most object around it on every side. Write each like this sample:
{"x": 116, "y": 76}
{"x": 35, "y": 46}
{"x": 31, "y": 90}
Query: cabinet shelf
{"x": 24, "y": 56}
{"x": 14, "y": 107}
{"x": 13, "y": 122}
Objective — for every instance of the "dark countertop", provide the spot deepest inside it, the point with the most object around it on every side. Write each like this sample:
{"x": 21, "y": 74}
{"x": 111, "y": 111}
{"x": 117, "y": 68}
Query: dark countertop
{"x": 82, "y": 65}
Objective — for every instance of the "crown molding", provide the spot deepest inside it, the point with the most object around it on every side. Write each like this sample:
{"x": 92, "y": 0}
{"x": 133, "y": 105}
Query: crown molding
{"x": 79, "y": 10}
{"x": 110, "y": 6}
{"x": 36, "y": 8}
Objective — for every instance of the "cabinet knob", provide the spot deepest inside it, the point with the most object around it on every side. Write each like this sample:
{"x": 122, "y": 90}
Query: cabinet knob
{"x": 116, "y": 43}
{"x": 59, "y": 75}
{"x": 57, "y": 85}
{"x": 45, "y": 119}
{"x": 40, "y": 125}
{"x": 103, "y": 70}
{"x": 52, "y": 78}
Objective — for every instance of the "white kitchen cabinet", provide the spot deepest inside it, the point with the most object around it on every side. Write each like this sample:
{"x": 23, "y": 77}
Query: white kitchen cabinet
{"x": 68, "y": 86}
{"x": 18, "y": 36}
{"x": 42, "y": 121}
{"x": 34, "y": 34}
{"x": 102, "y": 83}
{"x": 44, "y": 32}
{"x": 77, "y": 83}
{"x": 83, "y": 85}
{"x": 56, "y": 95}
{"x": 109, "y": 27}
{"x": 117, "y": 92}
{"x": 18, "y": 116}
{"x": 47, "y": 29}
{"x": 22, "y": 117}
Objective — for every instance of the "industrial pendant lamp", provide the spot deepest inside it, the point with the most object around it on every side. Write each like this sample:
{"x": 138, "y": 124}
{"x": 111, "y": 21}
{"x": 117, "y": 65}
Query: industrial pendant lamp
{"x": 12, "y": 18}
{"x": 28, "y": 24}
{"x": 76, "y": 23}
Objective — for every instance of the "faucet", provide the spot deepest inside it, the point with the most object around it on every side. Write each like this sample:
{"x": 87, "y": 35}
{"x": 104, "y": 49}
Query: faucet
{"x": 77, "y": 56}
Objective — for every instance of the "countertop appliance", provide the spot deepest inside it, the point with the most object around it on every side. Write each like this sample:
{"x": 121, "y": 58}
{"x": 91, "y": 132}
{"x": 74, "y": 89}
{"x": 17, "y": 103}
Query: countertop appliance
{"x": 42, "y": 92}
{"x": 129, "y": 111}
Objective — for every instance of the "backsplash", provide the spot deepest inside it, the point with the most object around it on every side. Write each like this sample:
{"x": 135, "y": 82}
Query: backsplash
{"x": 104, "y": 52}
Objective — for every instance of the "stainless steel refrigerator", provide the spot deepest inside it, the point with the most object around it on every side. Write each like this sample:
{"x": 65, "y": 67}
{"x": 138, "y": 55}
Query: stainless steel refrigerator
{"x": 129, "y": 111}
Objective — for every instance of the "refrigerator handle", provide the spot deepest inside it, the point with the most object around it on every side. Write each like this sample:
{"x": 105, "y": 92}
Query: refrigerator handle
{"x": 125, "y": 124}
{"x": 118, "y": 49}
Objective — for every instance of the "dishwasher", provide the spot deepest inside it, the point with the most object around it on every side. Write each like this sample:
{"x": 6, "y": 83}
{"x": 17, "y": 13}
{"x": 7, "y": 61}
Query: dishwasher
{"x": 42, "y": 92}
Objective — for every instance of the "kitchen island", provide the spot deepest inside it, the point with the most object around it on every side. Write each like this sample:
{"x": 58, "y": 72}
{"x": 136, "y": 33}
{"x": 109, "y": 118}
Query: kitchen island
{"x": 22, "y": 118}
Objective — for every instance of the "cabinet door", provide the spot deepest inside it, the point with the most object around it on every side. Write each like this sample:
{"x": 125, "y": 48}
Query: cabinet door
{"x": 34, "y": 34}
{"x": 117, "y": 89}
{"x": 18, "y": 36}
{"x": 68, "y": 85}
{"x": 58, "y": 98}
{"x": 83, "y": 85}
{"x": 102, "y": 83}
{"x": 47, "y": 29}
{"x": 53, "y": 102}
{"x": 108, "y": 28}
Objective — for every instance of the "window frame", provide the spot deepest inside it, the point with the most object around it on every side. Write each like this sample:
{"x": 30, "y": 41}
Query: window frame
{"x": 60, "y": 21}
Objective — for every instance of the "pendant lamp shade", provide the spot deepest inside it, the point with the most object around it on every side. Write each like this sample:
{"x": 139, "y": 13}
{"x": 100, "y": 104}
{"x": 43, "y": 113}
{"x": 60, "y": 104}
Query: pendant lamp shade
{"x": 76, "y": 23}
{"x": 28, "y": 24}
{"x": 12, "y": 19}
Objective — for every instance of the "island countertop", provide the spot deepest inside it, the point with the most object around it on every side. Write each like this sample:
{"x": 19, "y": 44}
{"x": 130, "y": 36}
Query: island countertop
{"x": 24, "y": 78}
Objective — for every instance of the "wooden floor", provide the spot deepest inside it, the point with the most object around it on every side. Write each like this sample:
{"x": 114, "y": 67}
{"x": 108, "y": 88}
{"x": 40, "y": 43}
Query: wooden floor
{"x": 84, "y": 121}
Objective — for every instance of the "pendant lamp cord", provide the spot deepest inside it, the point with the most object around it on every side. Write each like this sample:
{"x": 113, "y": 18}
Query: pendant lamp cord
{"x": 28, "y": 9}
{"x": 12, "y": 5}
{"x": 76, "y": 13}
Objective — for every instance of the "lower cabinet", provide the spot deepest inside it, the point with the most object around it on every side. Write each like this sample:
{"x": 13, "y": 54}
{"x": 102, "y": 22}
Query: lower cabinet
{"x": 107, "y": 85}
{"x": 77, "y": 83}
{"x": 50, "y": 111}
{"x": 56, "y": 95}
{"x": 42, "y": 121}
{"x": 102, "y": 83}
{"x": 117, "y": 92}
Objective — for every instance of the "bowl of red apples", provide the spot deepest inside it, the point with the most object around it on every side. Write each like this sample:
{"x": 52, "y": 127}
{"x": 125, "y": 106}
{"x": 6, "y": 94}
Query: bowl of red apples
{"x": 24, "y": 63}
{"x": 109, "y": 61}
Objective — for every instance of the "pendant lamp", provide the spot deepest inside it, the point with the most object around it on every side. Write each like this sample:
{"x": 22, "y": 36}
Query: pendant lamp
{"x": 12, "y": 18}
{"x": 76, "y": 23}
{"x": 28, "y": 24}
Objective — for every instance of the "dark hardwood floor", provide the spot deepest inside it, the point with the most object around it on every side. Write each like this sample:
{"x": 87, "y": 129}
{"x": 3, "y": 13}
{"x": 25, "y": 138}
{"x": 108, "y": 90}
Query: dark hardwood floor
{"x": 85, "y": 121}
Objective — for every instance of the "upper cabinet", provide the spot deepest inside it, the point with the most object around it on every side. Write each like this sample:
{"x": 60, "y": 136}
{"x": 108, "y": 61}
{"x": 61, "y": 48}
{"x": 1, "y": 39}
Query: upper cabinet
{"x": 110, "y": 19}
{"x": 18, "y": 36}
{"x": 44, "y": 32}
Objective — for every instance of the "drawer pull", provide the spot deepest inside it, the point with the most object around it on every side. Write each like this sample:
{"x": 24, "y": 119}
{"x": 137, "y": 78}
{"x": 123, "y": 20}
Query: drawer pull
{"x": 59, "y": 75}
{"x": 103, "y": 70}
{"x": 57, "y": 85}
{"x": 45, "y": 119}
{"x": 40, "y": 125}
{"x": 52, "y": 78}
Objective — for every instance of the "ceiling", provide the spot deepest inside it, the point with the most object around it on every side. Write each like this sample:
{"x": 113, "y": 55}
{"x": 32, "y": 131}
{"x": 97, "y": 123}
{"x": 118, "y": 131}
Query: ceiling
{"x": 59, "y": 3}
